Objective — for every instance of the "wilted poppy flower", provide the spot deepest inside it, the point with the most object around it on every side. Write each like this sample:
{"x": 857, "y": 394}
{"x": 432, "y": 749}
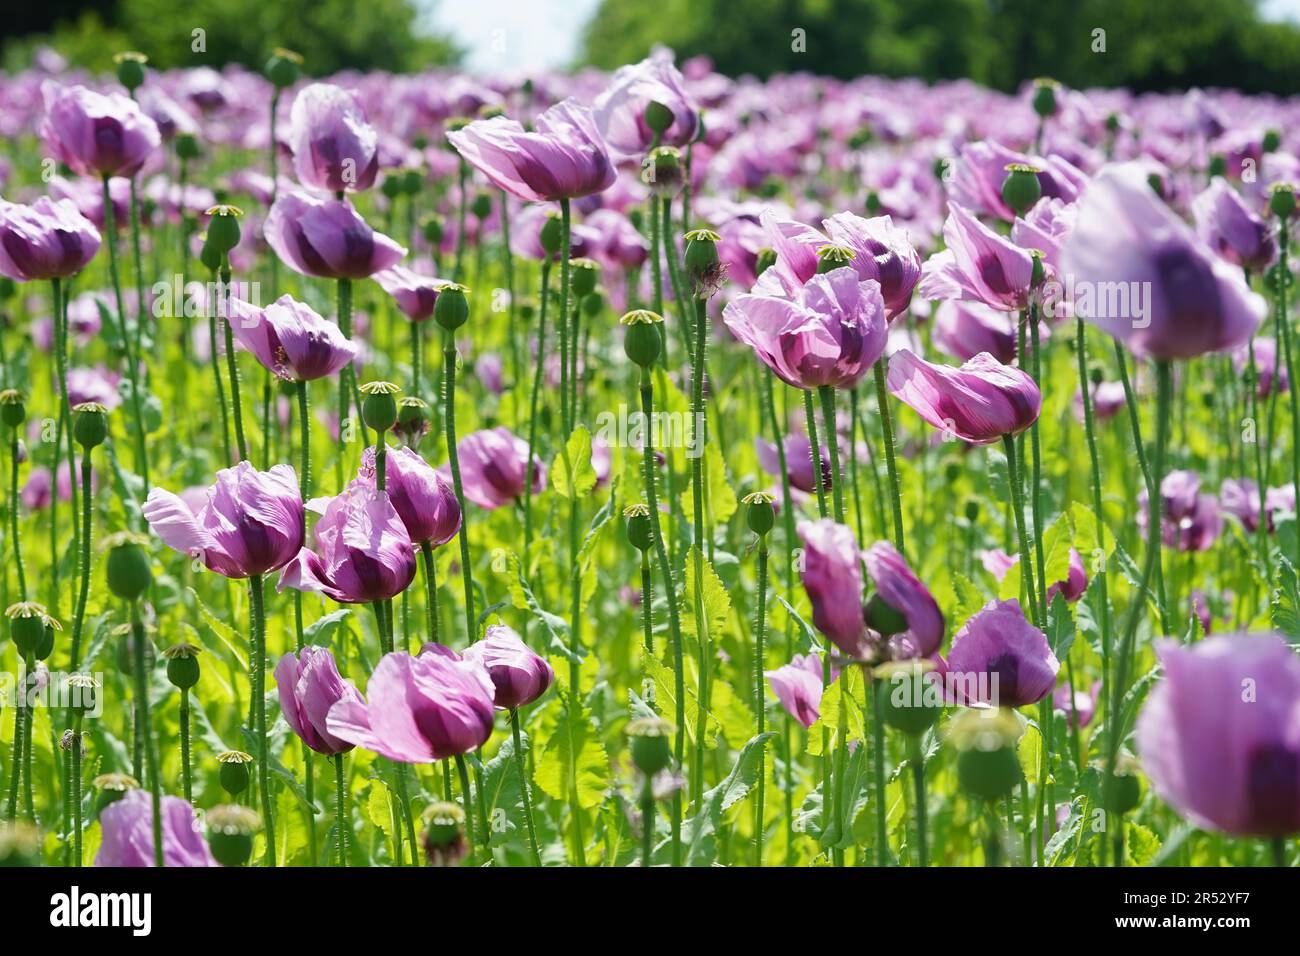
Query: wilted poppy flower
{"x": 334, "y": 146}
{"x": 96, "y": 134}
{"x": 563, "y": 159}
{"x": 518, "y": 673}
{"x": 830, "y": 334}
{"x": 250, "y": 522}
{"x": 977, "y": 265}
{"x": 1219, "y": 736}
{"x": 798, "y": 686}
{"x": 423, "y": 500}
{"x": 363, "y": 552}
{"x": 46, "y": 240}
{"x": 1174, "y": 298}
{"x": 1227, "y": 225}
{"x": 327, "y": 238}
{"x": 620, "y": 109}
{"x": 127, "y": 840}
{"x": 494, "y": 467}
{"x": 832, "y": 576}
{"x": 309, "y": 685}
{"x": 290, "y": 339}
{"x": 980, "y": 403}
{"x": 903, "y": 593}
{"x": 420, "y": 709}
{"x": 999, "y": 658}
{"x": 415, "y": 294}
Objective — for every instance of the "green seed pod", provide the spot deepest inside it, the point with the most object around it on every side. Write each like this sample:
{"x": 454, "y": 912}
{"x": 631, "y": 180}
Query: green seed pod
{"x": 1218, "y": 166}
{"x": 230, "y": 833}
{"x": 912, "y": 702}
{"x": 641, "y": 342}
{"x": 89, "y": 424}
{"x": 940, "y": 167}
{"x": 1045, "y": 97}
{"x": 283, "y": 68}
{"x": 378, "y": 406}
{"x": 209, "y": 256}
{"x": 1271, "y": 141}
{"x": 412, "y": 419}
{"x": 187, "y": 146}
{"x": 658, "y": 117}
{"x": 112, "y": 787}
{"x": 759, "y": 513}
{"x": 882, "y": 618}
{"x": 128, "y": 570}
{"x": 640, "y": 529}
{"x": 987, "y": 765}
{"x": 1038, "y": 272}
{"x": 27, "y": 626}
{"x": 480, "y": 206}
{"x": 223, "y": 228}
{"x": 662, "y": 171}
{"x": 412, "y": 181}
{"x": 703, "y": 266}
{"x": 84, "y": 696}
{"x": 444, "y": 834}
{"x": 432, "y": 227}
{"x": 452, "y": 308}
{"x": 125, "y": 650}
{"x": 830, "y": 258}
{"x": 972, "y": 509}
{"x": 234, "y": 775}
{"x": 391, "y": 187}
{"x": 583, "y": 275}
{"x": 1125, "y": 792}
{"x": 13, "y": 411}
{"x": 1281, "y": 201}
{"x": 1021, "y": 189}
{"x": 649, "y": 743}
{"x": 183, "y": 665}
{"x": 593, "y": 303}
{"x": 552, "y": 234}
{"x": 130, "y": 69}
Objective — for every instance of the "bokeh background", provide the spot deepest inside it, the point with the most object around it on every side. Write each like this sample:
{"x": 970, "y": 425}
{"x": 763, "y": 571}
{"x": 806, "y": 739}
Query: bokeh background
{"x": 1251, "y": 45}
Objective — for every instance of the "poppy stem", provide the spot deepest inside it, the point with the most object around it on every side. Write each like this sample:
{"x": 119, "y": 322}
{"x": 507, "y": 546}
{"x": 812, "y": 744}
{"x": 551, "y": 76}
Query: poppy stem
{"x": 453, "y": 456}
{"x": 760, "y": 634}
{"x": 525, "y": 786}
{"x": 304, "y": 492}
{"x": 827, "y": 396}
{"x": 132, "y": 366}
{"x": 818, "y": 475}
{"x": 647, "y": 819}
{"x": 232, "y": 367}
{"x": 14, "y": 531}
{"x": 877, "y": 690}
{"x": 258, "y": 674}
{"x": 466, "y": 802}
{"x": 76, "y": 788}
{"x": 431, "y": 590}
{"x": 699, "y": 431}
{"x": 1283, "y": 274}
{"x": 891, "y": 465}
{"x": 1018, "y": 511}
{"x": 508, "y": 263}
{"x": 144, "y": 728}
{"x": 186, "y": 778}
{"x": 918, "y": 781}
{"x": 462, "y": 174}
{"x": 1278, "y": 847}
{"x": 647, "y": 599}
{"x": 340, "y": 811}
{"x": 532, "y": 419}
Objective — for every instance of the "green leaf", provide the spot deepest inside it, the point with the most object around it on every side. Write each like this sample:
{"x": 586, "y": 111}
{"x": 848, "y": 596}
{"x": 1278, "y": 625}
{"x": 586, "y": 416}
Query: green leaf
{"x": 719, "y": 498}
{"x": 699, "y": 829}
{"x": 574, "y": 459}
{"x": 1060, "y": 626}
{"x": 574, "y": 760}
{"x": 717, "y": 603}
{"x": 320, "y": 631}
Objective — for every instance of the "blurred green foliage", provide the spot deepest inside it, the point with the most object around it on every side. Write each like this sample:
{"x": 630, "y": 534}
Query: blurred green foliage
{"x": 1150, "y": 44}
{"x": 330, "y": 34}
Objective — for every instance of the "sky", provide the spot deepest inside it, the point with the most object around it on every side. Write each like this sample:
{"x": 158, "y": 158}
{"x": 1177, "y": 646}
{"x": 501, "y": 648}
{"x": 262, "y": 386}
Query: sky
{"x": 508, "y": 35}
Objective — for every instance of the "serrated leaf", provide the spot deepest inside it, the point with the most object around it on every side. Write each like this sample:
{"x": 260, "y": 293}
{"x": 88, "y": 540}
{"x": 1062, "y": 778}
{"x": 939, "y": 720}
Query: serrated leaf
{"x": 720, "y": 500}
{"x": 717, "y": 603}
{"x": 574, "y": 459}
{"x": 574, "y": 760}
{"x": 699, "y": 829}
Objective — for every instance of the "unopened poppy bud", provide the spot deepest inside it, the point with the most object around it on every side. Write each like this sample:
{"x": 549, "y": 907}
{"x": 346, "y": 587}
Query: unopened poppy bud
{"x": 13, "y": 411}
{"x": 187, "y": 146}
{"x": 830, "y": 258}
{"x": 1021, "y": 189}
{"x": 759, "y": 513}
{"x": 27, "y": 623}
{"x": 183, "y": 665}
{"x": 1045, "y": 97}
{"x": 649, "y": 742}
{"x": 987, "y": 765}
{"x": 641, "y": 342}
{"x": 1271, "y": 141}
{"x": 583, "y": 275}
{"x": 432, "y": 228}
{"x": 703, "y": 266}
{"x": 640, "y": 530}
{"x": 128, "y": 571}
{"x": 230, "y": 833}
{"x": 663, "y": 172}
{"x": 125, "y": 652}
{"x": 223, "y": 228}
{"x": 234, "y": 774}
{"x": 378, "y": 405}
{"x": 1124, "y": 792}
{"x": 1281, "y": 200}
{"x": 130, "y": 69}
{"x": 452, "y": 308}
{"x": 765, "y": 259}
{"x": 481, "y": 206}
{"x": 552, "y": 234}
{"x": 20, "y": 844}
{"x": 911, "y": 702}
{"x": 283, "y": 68}
{"x": 89, "y": 424}
{"x": 658, "y": 117}
{"x": 444, "y": 834}
{"x": 112, "y": 787}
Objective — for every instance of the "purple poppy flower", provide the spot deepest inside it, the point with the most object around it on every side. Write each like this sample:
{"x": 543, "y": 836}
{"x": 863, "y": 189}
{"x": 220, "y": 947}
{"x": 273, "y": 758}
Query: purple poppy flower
{"x": 1190, "y": 520}
{"x": 620, "y": 109}
{"x": 1045, "y": 227}
{"x": 1001, "y": 659}
{"x": 979, "y": 403}
{"x": 1107, "y": 400}
{"x": 327, "y": 238}
{"x": 423, "y": 500}
{"x": 250, "y": 522}
{"x": 334, "y": 146}
{"x": 620, "y": 245}
{"x": 96, "y": 134}
{"x": 798, "y": 686}
{"x": 830, "y": 334}
{"x": 1227, "y": 225}
{"x": 494, "y": 467}
{"x": 489, "y": 369}
{"x": 1219, "y": 736}
{"x": 1082, "y": 708}
{"x": 1266, "y": 365}
{"x": 363, "y": 552}
{"x": 519, "y": 674}
{"x": 290, "y": 339}
{"x": 902, "y": 591}
{"x": 977, "y": 265}
{"x": 981, "y": 168}
{"x": 965, "y": 329}
{"x": 48, "y": 239}
{"x": 832, "y": 576}
{"x": 415, "y": 294}
{"x": 420, "y": 709}
{"x": 128, "y": 833}
{"x": 1180, "y": 301}
{"x": 563, "y": 159}
{"x": 798, "y": 461}
{"x": 309, "y": 685}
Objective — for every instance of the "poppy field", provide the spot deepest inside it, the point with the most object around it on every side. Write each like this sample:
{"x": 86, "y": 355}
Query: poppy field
{"x": 644, "y": 468}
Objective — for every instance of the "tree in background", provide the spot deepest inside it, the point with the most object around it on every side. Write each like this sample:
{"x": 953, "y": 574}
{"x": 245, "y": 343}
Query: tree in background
{"x": 1155, "y": 44}
{"x": 331, "y": 35}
